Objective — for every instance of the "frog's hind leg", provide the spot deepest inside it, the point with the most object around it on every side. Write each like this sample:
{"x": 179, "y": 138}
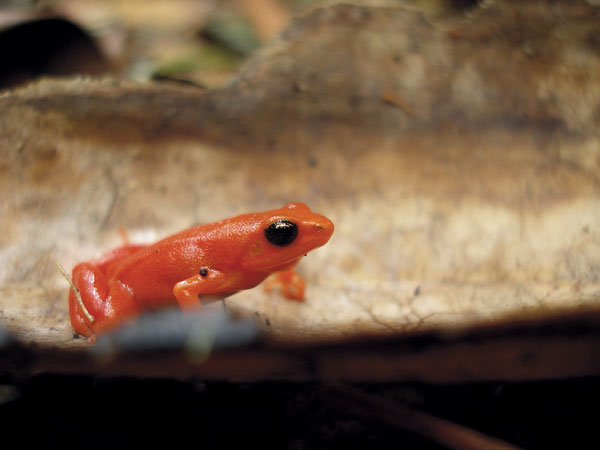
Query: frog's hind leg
{"x": 96, "y": 305}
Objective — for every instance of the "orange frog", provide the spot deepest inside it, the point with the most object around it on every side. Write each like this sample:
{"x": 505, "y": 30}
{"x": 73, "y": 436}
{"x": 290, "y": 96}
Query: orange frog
{"x": 199, "y": 264}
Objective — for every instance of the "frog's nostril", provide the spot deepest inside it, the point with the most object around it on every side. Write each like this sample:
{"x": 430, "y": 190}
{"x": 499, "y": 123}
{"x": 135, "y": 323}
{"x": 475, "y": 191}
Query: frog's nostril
{"x": 322, "y": 229}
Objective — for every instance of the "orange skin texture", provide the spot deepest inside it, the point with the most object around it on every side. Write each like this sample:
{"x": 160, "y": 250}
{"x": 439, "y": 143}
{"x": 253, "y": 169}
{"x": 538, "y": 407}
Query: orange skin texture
{"x": 199, "y": 264}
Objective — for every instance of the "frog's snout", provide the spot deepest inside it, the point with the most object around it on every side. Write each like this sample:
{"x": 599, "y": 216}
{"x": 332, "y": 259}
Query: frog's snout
{"x": 323, "y": 229}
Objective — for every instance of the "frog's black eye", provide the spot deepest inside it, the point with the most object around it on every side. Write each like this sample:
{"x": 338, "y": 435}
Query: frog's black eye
{"x": 281, "y": 233}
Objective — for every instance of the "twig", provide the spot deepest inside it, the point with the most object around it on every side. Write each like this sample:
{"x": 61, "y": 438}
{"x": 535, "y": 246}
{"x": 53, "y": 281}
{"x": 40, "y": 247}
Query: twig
{"x": 393, "y": 413}
{"x": 77, "y": 294}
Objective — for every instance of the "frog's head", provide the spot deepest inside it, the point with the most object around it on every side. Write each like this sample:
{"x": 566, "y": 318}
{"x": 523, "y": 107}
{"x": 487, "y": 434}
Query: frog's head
{"x": 284, "y": 236}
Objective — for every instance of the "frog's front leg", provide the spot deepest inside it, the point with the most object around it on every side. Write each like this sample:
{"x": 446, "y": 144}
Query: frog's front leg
{"x": 288, "y": 283}
{"x": 209, "y": 284}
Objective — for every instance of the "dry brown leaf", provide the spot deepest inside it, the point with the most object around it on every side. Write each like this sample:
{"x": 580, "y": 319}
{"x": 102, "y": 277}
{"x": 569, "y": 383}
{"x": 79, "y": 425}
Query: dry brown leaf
{"x": 469, "y": 198}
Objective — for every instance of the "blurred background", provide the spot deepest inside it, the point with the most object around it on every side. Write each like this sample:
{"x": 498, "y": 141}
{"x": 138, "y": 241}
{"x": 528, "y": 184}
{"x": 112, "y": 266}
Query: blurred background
{"x": 196, "y": 41}
{"x": 199, "y": 41}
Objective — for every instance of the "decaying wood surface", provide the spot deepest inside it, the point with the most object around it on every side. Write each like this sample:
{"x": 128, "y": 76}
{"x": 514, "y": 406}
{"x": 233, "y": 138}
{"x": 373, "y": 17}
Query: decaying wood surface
{"x": 457, "y": 155}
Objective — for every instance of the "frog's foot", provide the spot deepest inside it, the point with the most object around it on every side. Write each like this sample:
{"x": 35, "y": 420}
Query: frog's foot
{"x": 288, "y": 283}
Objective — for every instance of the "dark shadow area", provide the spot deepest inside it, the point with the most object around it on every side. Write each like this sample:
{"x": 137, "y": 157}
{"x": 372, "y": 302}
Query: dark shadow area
{"x": 71, "y": 412}
{"x": 51, "y": 46}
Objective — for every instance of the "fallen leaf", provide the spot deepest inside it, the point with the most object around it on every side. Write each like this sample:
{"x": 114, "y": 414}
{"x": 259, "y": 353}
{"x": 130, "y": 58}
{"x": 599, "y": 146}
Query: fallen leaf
{"x": 480, "y": 206}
